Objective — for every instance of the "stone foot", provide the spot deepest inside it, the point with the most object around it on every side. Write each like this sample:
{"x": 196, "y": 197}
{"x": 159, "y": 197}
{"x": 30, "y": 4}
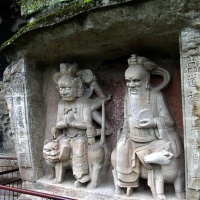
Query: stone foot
{"x": 129, "y": 191}
{"x": 50, "y": 176}
{"x": 180, "y": 195}
{"x": 84, "y": 178}
{"x": 77, "y": 184}
{"x": 56, "y": 181}
{"x": 118, "y": 190}
{"x": 92, "y": 185}
{"x": 160, "y": 197}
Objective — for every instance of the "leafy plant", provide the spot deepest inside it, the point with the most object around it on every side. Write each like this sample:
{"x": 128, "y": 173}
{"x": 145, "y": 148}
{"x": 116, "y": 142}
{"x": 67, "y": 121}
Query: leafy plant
{"x": 87, "y": 1}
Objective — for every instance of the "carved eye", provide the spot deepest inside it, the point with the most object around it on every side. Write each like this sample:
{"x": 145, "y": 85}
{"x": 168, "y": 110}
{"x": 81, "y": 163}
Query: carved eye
{"x": 56, "y": 147}
{"x": 47, "y": 150}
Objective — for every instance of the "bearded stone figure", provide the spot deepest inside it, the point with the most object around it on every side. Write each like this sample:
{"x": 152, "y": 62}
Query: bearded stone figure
{"x": 148, "y": 146}
{"x": 74, "y": 142}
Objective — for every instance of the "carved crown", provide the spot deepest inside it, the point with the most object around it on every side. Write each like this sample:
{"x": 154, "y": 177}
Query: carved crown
{"x": 132, "y": 60}
{"x": 135, "y": 60}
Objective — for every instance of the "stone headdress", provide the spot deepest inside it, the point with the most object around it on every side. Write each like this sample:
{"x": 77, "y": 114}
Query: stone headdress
{"x": 149, "y": 67}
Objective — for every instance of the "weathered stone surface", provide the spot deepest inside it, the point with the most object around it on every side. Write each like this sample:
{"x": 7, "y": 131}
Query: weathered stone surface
{"x": 104, "y": 34}
{"x": 74, "y": 133}
{"x": 148, "y": 146}
{"x": 22, "y": 90}
{"x": 190, "y": 71}
{"x": 7, "y": 145}
{"x": 108, "y": 76}
{"x": 103, "y": 192}
{"x": 94, "y": 37}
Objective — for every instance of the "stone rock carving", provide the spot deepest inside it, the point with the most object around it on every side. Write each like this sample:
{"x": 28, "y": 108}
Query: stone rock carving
{"x": 74, "y": 142}
{"x": 148, "y": 131}
{"x": 196, "y": 104}
{"x": 6, "y": 135}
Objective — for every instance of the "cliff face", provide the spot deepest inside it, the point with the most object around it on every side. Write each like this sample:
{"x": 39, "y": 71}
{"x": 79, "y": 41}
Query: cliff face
{"x": 98, "y": 35}
{"x": 90, "y": 28}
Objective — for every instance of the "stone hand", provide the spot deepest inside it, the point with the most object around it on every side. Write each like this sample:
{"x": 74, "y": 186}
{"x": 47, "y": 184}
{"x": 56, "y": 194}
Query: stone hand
{"x": 107, "y": 98}
{"x": 146, "y": 123}
{"x": 91, "y": 141}
{"x": 69, "y": 118}
{"x": 61, "y": 125}
{"x": 91, "y": 132}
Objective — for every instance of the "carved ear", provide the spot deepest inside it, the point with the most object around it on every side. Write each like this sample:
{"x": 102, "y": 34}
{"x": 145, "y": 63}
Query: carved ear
{"x": 88, "y": 76}
{"x": 46, "y": 142}
{"x": 56, "y": 77}
{"x": 167, "y": 154}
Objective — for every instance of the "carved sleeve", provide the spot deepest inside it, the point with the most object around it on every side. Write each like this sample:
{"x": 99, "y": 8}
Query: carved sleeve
{"x": 84, "y": 121}
{"x": 163, "y": 120}
{"x": 163, "y": 111}
{"x": 60, "y": 124}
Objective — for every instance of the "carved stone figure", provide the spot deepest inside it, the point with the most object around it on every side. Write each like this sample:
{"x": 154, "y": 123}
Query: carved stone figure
{"x": 168, "y": 169}
{"x": 74, "y": 143}
{"x": 148, "y": 126}
{"x": 6, "y": 135}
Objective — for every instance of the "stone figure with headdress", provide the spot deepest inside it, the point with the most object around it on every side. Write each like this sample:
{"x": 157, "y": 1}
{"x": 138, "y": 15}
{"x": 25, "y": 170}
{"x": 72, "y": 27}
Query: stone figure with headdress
{"x": 148, "y": 128}
{"x": 74, "y": 133}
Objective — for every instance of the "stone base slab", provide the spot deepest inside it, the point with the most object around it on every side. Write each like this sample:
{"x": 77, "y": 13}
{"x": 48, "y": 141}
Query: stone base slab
{"x": 103, "y": 192}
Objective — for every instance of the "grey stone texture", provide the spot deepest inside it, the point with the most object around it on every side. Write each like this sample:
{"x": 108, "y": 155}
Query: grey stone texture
{"x": 7, "y": 145}
{"x": 190, "y": 72}
{"x": 94, "y": 36}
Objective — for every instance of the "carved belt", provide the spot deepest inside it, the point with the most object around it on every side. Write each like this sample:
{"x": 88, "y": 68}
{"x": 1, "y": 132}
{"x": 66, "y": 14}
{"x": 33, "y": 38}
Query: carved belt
{"x": 76, "y": 133}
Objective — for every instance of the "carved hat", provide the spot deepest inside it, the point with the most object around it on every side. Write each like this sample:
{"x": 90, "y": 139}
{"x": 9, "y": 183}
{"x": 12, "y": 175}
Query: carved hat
{"x": 135, "y": 60}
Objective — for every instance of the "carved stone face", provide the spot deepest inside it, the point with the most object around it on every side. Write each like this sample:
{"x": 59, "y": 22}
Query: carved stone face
{"x": 135, "y": 79}
{"x": 51, "y": 151}
{"x": 68, "y": 90}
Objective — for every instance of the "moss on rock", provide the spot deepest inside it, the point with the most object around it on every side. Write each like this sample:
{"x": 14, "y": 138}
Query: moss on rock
{"x": 63, "y": 12}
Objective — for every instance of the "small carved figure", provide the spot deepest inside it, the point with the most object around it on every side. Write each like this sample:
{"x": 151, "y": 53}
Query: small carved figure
{"x": 74, "y": 132}
{"x": 148, "y": 126}
{"x": 168, "y": 169}
{"x": 57, "y": 156}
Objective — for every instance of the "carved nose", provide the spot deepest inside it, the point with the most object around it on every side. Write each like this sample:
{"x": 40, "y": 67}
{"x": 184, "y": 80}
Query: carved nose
{"x": 52, "y": 153}
{"x": 132, "y": 84}
{"x": 63, "y": 92}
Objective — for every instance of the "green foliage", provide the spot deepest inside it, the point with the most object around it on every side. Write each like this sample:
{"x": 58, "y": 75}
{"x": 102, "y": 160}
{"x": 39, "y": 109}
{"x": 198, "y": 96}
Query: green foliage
{"x": 87, "y": 1}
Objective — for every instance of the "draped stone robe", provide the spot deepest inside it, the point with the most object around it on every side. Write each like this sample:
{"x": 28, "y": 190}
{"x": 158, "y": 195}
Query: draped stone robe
{"x": 135, "y": 142}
